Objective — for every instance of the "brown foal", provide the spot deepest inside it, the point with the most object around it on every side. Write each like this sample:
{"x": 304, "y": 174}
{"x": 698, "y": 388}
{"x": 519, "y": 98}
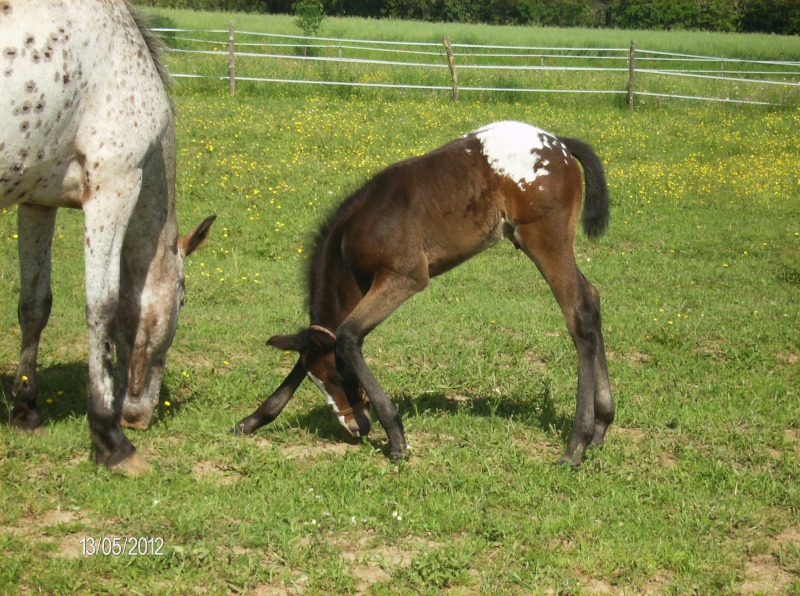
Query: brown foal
{"x": 423, "y": 216}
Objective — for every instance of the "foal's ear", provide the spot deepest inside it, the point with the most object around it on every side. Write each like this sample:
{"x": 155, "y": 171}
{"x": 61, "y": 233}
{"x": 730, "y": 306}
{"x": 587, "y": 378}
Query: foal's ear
{"x": 296, "y": 342}
{"x": 304, "y": 340}
{"x": 192, "y": 241}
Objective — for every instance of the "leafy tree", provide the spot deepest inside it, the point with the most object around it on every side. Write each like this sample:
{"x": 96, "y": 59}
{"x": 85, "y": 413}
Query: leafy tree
{"x": 309, "y": 16}
{"x": 711, "y": 15}
{"x": 766, "y": 16}
{"x": 770, "y": 16}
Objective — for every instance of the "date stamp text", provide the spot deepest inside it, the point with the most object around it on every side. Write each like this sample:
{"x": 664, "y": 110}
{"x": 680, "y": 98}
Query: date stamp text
{"x": 122, "y": 546}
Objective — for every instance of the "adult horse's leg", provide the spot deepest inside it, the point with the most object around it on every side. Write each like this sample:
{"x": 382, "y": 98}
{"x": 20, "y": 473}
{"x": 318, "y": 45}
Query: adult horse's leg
{"x": 546, "y": 244}
{"x": 274, "y": 404}
{"x": 35, "y": 225}
{"x": 106, "y": 215}
{"x": 387, "y": 292}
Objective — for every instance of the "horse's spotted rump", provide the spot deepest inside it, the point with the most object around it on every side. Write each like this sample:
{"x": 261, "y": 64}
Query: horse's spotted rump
{"x": 513, "y": 150}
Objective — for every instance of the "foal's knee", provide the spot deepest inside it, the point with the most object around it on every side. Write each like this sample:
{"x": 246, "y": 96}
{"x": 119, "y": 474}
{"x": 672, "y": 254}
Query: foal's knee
{"x": 348, "y": 353}
{"x": 347, "y": 349}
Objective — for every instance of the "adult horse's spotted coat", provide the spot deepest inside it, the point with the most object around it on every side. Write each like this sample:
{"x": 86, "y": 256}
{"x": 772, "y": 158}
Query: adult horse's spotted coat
{"x": 426, "y": 215}
{"x": 86, "y": 122}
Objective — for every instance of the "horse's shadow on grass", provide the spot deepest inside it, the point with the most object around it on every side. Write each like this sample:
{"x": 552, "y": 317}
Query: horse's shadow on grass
{"x": 538, "y": 411}
{"x": 62, "y": 393}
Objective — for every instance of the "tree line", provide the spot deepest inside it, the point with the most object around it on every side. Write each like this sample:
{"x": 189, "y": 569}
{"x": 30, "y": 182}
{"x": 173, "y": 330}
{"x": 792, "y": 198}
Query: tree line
{"x": 744, "y": 16}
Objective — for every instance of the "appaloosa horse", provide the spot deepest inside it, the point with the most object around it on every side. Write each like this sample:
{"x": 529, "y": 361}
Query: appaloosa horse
{"x": 423, "y": 216}
{"x": 87, "y": 123}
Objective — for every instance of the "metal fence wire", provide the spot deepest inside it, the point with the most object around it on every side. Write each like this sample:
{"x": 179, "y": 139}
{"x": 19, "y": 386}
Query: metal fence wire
{"x": 632, "y": 71}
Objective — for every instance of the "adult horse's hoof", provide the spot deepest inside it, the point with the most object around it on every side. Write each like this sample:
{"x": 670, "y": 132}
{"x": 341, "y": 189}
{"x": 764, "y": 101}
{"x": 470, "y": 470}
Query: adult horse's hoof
{"x": 27, "y": 419}
{"x": 135, "y": 423}
{"x": 132, "y": 466}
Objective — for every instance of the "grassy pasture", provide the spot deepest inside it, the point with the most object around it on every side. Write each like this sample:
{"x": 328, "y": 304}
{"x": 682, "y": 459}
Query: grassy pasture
{"x": 611, "y": 44}
{"x": 696, "y": 490}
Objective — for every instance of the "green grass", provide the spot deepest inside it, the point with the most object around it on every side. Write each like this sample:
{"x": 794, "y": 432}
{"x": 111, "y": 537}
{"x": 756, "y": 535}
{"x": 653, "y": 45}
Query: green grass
{"x": 695, "y": 491}
{"x": 612, "y": 83}
{"x": 748, "y": 46}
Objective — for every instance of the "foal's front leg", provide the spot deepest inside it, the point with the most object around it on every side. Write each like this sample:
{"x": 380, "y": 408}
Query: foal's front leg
{"x": 274, "y": 404}
{"x": 388, "y": 291}
{"x": 35, "y": 225}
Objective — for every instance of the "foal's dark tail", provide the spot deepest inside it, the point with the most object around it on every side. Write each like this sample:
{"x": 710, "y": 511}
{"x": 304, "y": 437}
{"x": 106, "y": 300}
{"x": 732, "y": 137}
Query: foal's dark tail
{"x": 595, "y": 209}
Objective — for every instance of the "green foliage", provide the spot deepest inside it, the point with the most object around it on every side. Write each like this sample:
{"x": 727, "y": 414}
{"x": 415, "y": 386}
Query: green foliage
{"x": 771, "y": 16}
{"x": 765, "y": 16}
{"x": 709, "y": 15}
{"x": 309, "y": 16}
{"x": 251, "y": 6}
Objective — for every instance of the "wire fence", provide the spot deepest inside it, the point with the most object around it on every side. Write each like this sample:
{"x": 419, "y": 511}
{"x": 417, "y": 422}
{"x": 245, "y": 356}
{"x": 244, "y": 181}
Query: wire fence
{"x": 475, "y": 68}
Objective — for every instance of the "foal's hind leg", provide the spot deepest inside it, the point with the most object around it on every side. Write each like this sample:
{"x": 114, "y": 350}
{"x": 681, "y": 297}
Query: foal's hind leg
{"x": 603, "y": 400}
{"x": 35, "y": 227}
{"x": 388, "y": 291}
{"x": 579, "y": 302}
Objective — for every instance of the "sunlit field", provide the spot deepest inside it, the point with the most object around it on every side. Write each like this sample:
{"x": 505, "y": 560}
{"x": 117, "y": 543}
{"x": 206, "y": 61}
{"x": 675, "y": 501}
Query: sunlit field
{"x": 696, "y": 490}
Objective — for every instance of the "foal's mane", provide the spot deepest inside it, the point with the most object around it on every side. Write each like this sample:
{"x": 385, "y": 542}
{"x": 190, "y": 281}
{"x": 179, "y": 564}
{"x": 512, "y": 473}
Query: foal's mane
{"x": 319, "y": 241}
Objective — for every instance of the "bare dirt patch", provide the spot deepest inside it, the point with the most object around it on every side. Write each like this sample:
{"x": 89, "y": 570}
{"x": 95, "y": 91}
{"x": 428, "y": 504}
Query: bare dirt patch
{"x": 634, "y": 357}
{"x": 634, "y": 435}
{"x": 368, "y": 560}
{"x": 764, "y": 573}
{"x": 307, "y": 451}
{"x": 792, "y": 436}
{"x": 214, "y": 471}
{"x": 535, "y": 362}
{"x": 371, "y": 562}
{"x": 42, "y": 528}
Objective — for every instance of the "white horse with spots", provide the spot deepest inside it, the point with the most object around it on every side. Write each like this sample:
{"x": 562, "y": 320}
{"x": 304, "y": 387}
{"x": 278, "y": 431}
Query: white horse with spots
{"x": 86, "y": 122}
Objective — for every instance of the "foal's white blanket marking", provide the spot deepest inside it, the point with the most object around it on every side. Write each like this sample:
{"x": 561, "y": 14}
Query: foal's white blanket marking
{"x": 511, "y": 148}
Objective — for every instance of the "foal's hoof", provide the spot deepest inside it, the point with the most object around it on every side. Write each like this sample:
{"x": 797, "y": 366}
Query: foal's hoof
{"x": 573, "y": 461}
{"x": 397, "y": 457}
{"x": 245, "y": 426}
{"x": 132, "y": 466}
{"x": 566, "y": 462}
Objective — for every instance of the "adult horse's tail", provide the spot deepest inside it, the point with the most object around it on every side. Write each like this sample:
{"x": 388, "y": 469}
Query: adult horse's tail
{"x": 595, "y": 209}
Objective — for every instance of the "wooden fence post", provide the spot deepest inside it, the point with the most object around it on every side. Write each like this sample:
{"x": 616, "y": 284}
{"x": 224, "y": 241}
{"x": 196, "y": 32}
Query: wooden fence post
{"x": 631, "y": 72}
{"x": 452, "y": 64}
{"x": 231, "y": 66}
